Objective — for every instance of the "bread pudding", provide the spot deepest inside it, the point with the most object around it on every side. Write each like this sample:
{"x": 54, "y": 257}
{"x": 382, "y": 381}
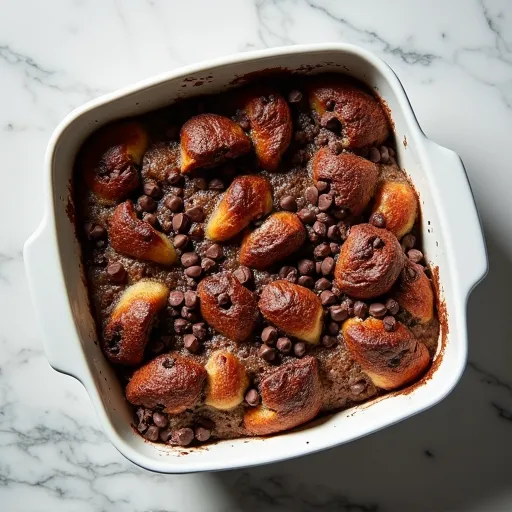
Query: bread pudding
{"x": 253, "y": 258}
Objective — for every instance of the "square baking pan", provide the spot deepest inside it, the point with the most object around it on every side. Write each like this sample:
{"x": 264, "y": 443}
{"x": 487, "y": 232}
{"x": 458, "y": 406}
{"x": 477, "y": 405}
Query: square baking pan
{"x": 452, "y": 240}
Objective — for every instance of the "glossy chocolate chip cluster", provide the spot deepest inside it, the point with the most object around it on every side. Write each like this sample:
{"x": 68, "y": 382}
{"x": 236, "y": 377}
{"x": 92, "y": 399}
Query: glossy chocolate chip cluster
{"x": 253, "y": 260}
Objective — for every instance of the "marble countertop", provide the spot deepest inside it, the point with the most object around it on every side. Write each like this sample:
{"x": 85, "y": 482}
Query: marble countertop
{"x": 454, "y": 58}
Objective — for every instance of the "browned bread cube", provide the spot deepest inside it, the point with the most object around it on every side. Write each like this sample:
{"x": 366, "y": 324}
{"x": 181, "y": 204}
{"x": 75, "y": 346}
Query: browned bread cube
{"x": 111, "y": 158}
{"x": 390, "y": 358}
{"x": 280, "y": 235}
{"x": 362, "y": 118}
{"x": 351, "y": 177}
{"x": 414, "y": 292}
{"x": 369, "y": 262}
{"x": 139, "y": 239}
{"x": 227, "y": 381}
{"x": 290, "y": 396}
{"x": 397, "y": 203}
{"x": 271, "y": 127}
{"x": 210, "y": 139}
{"x": 127, "y": 332}
{"x": 293, "y": 308}
{"x": 170, "y": 380}
{"x": 237, "y": 317}
{"x": 247, "y": 198}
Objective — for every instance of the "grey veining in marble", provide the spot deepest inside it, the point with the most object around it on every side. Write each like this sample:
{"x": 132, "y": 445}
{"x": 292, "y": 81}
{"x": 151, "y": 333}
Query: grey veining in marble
{"x": 454, "y": 58}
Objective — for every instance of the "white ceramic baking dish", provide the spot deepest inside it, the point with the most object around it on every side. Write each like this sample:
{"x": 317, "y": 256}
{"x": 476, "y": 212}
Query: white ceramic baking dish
{"x": 453, "y": 243}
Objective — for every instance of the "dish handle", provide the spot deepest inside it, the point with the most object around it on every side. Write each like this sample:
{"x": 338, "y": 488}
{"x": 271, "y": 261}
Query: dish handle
{"x": 461, "y": 219}
{"x": 51, "y": 301}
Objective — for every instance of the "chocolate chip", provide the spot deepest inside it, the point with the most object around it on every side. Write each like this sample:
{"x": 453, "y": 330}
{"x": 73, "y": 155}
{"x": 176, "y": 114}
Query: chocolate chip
{"x": 314, "y": 237}
{"x": 269, "y": 335}
{"x": 216, "y": 184}
{"x": 415, "y": 255}
{"x": 200, "y": 184}
{"x": 322, "y": 186}
{"x": 327, "y": 266}
{"x": 152, "y": 433}
{"x": 191, "y": 299}
{"x": 243, "y": 274}
{"x": 333, "y": 233}
{"x": 322, "y": 250}
{"x": 252, "y": 398}
{"x": 152, "y": 190}
{"x": 150, "y": 218}
{"x": 182, "y": 436}
{"x": 160, "y": 420}
{"x": 333, "y": 328}
{"x": 384, "y": 155}
{"x": 358, "y": 387}
{"x": 325, "y": 218}
{"x": 328, "y": 341}
{"x": 284, "y": 345}
{"x": 194, "y": 271}
{"x": 288, "y": 273}
{"x": 188, "y": 314}
{"x": 116, "y": 272}
{"x": 318, "y": 267}
{"x": 374, "y": 155}
{"x": 174, "y": 203}
{"x": 378, "y": 220}
{"x": 360, "y": 309}
{"x": 312, "y": 195}
{"x": 378, "y": 243}
{"x": 299, "y": 349}
{"x": 197, "y": 232}
{"x": 330, "y": 104}
{"x": 389, "y": 323}
{"x": 338, "y": 314}
{"x": 173, "y": 178}
{"x": 165, "y": 435}
{"x": 180, "y": 241}
{"x": 181, "y": 326}
{"x": 294, "y": 96}
{"x": 306, "y": 267}
{"x": 224, "y": 300}
{"x": 173, "y": 312}
{"x": 95, "y": 231}
{"x": 306, "y": 216}
{"x": 324, "y": 202}
{"x": 410, "y": 273}
{"x": 199, "y": 330}
{"x": 202, "y": 434}
{"x": 335, "y": 248}
{"x": 181, "y": 223}
{"x": 189, "y": 259}
{"x": 147, "y": 204}
{"x": 341, "y": 212}
{"x": 377, "y": 310}
{"x": 327, "y": 297}
{"x": 176, "y": 298}
{"x": 348, "y": 305}
{"x": 408, "y": 242}
{"x": 207, "y": 264}
{"x": 191, "y": 343}
{"x": 288, "y": 203}
{"x": 267, "y": 353}
{"x": 196, "y": 214}
{"x": 214, "y": 252}
{"x": 392, "y": 306}
{"x": 306, "y": 281}
{"x": 320, "y": 228}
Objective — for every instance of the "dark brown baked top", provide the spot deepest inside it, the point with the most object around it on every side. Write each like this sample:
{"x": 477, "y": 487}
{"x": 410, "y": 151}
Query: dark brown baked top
{"x": 254, "y": 258}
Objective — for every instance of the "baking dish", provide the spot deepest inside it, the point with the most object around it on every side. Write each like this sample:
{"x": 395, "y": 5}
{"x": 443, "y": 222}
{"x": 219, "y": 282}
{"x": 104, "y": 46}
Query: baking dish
{"x": 453, "y": 244}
